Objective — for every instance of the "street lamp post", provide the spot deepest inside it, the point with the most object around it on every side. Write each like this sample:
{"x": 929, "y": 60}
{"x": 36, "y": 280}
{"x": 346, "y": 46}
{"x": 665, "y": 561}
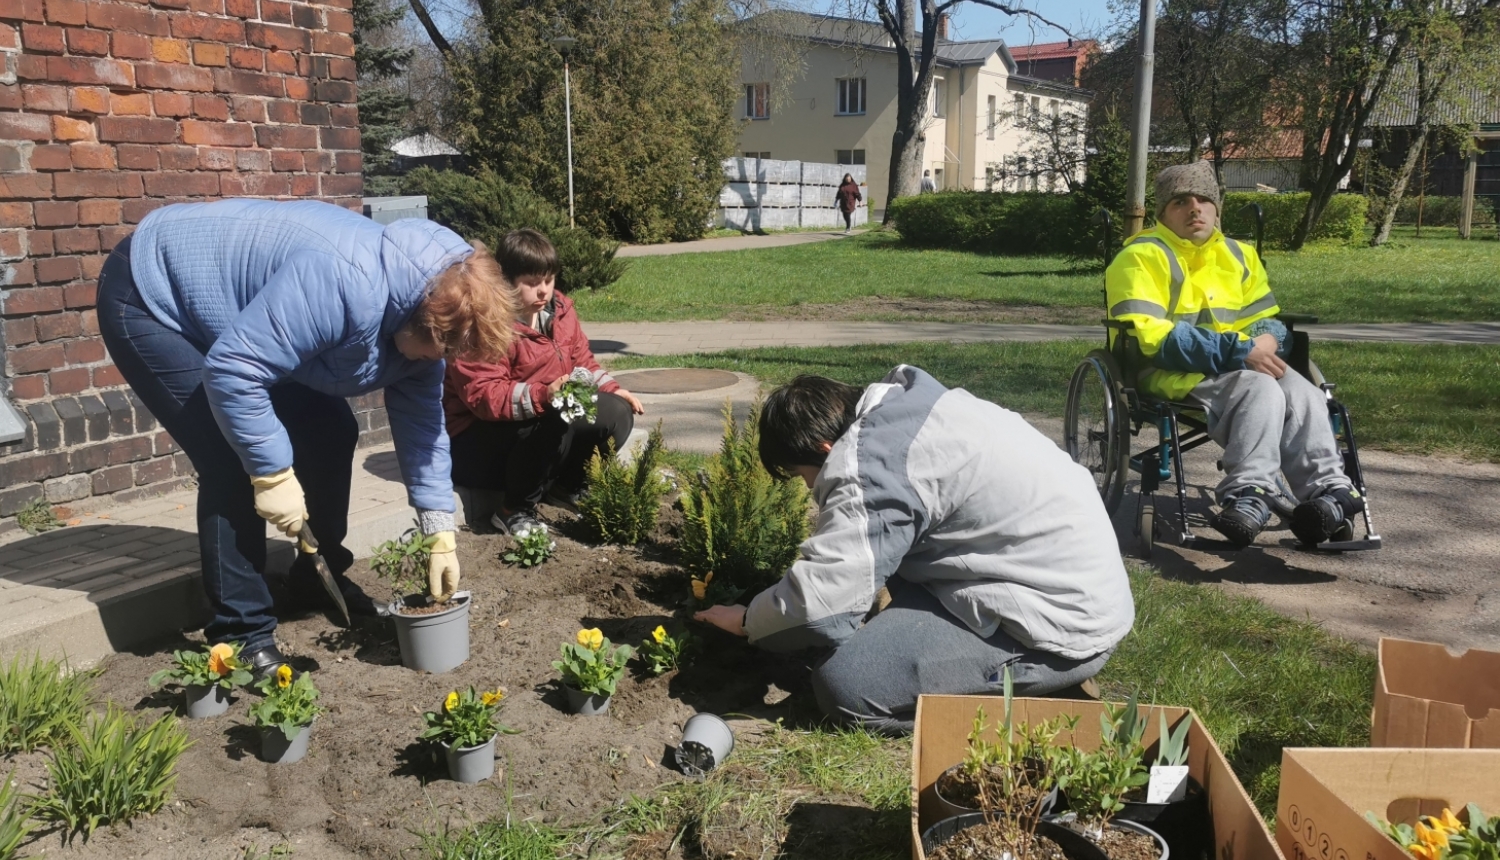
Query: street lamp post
{"x": 565, "y": 45}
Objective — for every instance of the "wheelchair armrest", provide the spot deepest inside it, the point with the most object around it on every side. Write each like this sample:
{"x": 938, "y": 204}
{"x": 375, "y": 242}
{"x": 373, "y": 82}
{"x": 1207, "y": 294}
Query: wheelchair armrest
{"x": 1120, "y": 325}
{"x": 1298, "y": 319}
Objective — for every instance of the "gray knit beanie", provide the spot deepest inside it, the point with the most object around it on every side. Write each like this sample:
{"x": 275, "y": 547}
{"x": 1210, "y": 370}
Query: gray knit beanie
{"x": 1196, "y": 178}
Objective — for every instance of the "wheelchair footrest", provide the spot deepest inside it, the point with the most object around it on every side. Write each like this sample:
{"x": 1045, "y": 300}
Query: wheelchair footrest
{"x": 1349, "y": 545}
{"x": 1211, "y": 544}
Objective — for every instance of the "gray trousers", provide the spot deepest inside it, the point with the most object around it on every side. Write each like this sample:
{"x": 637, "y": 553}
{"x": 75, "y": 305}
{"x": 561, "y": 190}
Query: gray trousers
{"x": 915, "y": 646}
{"x": 1269, "y": 425}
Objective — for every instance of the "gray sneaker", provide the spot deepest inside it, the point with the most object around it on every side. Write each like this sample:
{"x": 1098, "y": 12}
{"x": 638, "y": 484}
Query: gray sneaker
{"x": 520, "y": 521}
{"x": 565, "y": 499}
{"x": 1243, "y": 516}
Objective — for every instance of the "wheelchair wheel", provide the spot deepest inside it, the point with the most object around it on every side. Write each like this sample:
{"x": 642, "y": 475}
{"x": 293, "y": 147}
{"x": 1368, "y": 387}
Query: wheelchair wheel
{"x": 1096, "y": 428}
{"x": 1147, "y": 526}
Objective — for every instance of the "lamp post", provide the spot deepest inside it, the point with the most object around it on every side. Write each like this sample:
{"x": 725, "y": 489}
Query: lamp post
{"x": 565, "y": 45}
{"x": 1140, "y": 126}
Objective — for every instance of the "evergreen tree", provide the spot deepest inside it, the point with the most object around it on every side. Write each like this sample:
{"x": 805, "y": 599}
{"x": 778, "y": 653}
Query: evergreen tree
{"x": 383, "y": 108}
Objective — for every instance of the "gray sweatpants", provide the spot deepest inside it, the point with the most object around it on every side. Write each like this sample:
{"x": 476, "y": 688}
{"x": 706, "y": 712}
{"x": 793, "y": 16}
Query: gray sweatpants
{"x": 1268, "y": 425}
{"x": 915, "y": 646}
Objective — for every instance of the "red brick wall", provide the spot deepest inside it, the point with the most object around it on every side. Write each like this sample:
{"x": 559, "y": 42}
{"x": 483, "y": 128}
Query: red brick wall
{"x": 107, "y": 111}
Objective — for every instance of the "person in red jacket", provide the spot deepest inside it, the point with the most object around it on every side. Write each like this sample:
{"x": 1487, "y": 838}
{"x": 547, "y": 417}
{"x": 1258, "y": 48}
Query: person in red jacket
{"x": 505, "y": 435}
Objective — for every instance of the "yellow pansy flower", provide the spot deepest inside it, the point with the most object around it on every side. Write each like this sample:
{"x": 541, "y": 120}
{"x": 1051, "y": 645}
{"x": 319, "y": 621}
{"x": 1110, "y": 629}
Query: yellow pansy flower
{"x": 492, "y": 698}
{"x": 1449, "y": 822}
{"x": 659, "y": 634}
{"x": 591, "y": 638}
{"x": 451, "y": 702}
{"x": 700, "y": 586}
{"x": 1422, "y": 852}
{"x": 219, "y": 658}
{"x": 1433, "y": 837}
{"x": 284, "y": 676}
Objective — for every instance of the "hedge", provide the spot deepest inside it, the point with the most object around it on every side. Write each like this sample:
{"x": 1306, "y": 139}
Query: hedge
{"x": 1030, "y": 222}
{"x": 1343, "y": 219}
{"x": 1442, "y": 211}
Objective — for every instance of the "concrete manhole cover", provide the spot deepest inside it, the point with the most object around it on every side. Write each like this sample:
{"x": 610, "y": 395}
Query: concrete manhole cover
{"x": 676, "y": 381}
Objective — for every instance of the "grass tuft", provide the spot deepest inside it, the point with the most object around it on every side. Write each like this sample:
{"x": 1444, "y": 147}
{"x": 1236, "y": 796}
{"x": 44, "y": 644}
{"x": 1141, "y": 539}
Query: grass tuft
{"x": 41, "y": 699}
{"x": 38, "y": 517}
{"x": 14, "y": 824}
{"x": 496, "y": 841}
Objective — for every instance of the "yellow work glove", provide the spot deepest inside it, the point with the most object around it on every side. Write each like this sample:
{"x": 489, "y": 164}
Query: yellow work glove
{"x": 442, "y": 567}
{"x": 278, "y": 498}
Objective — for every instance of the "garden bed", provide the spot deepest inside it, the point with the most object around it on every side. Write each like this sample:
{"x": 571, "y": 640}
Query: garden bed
{"x": 368, "y": 788}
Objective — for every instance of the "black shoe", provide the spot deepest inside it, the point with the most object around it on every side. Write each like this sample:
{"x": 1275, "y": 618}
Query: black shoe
{"x": 305, "y": 592}
{"x": 1243, "y": 516}
{"x": 1329, "y": 516}
{"x": 263, "y": 662}
{"x": 564, "y": 498}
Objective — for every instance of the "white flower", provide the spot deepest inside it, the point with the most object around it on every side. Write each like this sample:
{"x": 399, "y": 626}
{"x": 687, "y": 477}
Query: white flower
{"x": 551, "y": 546}
{"x": 593, "y": 398}
{"x": 557, "y": 403}
{"x": 542, "y": 527}
{"x": 523, "y": 534}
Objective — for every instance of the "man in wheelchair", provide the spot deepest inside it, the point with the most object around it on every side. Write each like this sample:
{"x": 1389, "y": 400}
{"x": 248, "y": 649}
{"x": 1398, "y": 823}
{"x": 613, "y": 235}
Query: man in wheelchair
{"x": 1205, "y": 318}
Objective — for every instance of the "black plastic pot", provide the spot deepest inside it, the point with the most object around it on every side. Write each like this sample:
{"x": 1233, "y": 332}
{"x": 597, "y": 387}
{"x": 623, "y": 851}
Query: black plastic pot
{"x": 1074, "y": 844}
{"x": 949, "y": 809}
{"x": 1184, "y": 824}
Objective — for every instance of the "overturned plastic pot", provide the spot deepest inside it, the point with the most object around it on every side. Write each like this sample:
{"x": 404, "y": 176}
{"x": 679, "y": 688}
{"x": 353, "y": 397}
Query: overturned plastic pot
{"x": 1074, "y": 844}
{"x": 277, "y": 748}
{"x": 430, "y": 641}
{"x": 201, "y": 702}
{"x": 471, "y": 764}
{"x": 706, "y": 741}
{"x": 586, "y": 704}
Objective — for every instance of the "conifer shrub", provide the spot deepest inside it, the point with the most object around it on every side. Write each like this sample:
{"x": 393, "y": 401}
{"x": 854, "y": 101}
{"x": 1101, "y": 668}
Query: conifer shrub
{"x": 741, "y": 525}
{"x": 623, "y": 500}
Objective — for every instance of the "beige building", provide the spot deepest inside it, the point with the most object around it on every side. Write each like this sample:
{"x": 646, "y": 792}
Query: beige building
{"x": 841, "y": 107}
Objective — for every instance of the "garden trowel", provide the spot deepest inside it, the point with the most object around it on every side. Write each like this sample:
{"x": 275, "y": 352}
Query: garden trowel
{"x": 308, "y": 545}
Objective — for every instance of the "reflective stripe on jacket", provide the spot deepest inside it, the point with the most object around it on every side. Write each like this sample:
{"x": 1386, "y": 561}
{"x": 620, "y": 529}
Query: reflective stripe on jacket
{"x": 1159, "y": 280}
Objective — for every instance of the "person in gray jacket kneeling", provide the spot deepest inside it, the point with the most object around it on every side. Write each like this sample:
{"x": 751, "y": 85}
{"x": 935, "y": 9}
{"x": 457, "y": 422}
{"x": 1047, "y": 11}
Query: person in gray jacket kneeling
{"x": 993, "y": 545}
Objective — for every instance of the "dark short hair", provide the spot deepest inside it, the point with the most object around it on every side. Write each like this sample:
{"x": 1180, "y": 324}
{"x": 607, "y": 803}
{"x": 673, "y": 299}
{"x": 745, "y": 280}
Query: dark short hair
{"x": 799, "y": 417}
{"x": 526, "y": 252}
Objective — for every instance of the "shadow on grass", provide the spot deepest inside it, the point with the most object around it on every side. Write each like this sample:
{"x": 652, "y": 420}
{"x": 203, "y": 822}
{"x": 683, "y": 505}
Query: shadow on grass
{"x": 1247, "y": 566}
{"x": 832, "y": 831}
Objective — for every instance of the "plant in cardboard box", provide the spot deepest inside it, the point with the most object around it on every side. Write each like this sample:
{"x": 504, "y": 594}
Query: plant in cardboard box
{"x": 1011, "y": 827}
{"x": 1171, "y": 803}
{"x": 1017, "y": 767}
{"x": 1471, "y": 836}
{"x": 1097, "y": 783}
{"x": 434, "y": 637}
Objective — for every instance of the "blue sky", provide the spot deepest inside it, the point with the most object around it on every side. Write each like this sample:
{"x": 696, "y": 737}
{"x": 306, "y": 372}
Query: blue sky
{"x": 1083, "y": 17}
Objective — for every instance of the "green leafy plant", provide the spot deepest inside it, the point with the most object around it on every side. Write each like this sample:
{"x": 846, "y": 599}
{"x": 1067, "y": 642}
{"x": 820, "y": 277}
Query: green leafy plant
{"x": 467, "y": 719}
{"x": 662, "y": 651}
{"x": 578, "y": 397}
{"x": 1172, "y": 750}
{"x": 741, "y": 528}
{"x": 41, "y": 699}
{"x": 38, "y": 517}
{"x": 533, "y": 546}
{"x": 1474, "y": 836}
{"x": 112, "y": 770}
{"x": 403, "y": 562}
{"x": 288, "y": 705}
{"x": 15, "y": 825}
{"x": 1122, "y": 728}
{"x": 592, "y": 664}
{"x": 623, "y": 501}
{"x": 217, "y": 665}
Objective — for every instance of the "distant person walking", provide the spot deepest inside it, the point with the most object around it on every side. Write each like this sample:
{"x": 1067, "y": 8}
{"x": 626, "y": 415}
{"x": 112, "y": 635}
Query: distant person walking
{"x": 928, "y": 185}
{"x": 849, "y": 200}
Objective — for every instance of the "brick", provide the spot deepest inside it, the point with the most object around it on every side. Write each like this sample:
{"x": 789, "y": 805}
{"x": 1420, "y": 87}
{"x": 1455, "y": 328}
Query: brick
{"x": 30, "y": 359}
{"x": 130, "y": 104}
{"x": 44, "y": 97}
{"x": 275, "y": 11}
{"x": 337, "y": 44}
{"x": 277, "y": 37}
{"x": 27, "y": 470}
{"x": 11, "y": 502}
{"x": 206, "y": 7}
{"x": 88, "y": 100}
{"x": 247, "y": 109}
{"x": 153, "y": 471}
{"x": 91, "y": 70}
{"x": 69, "y": 381}
{"x": 182, "y": 184}
{"x": 179, "y": 157}
{"x": 57, "y": 270}
{"x": 186, "y": 25}
{"x": 91, "y": 42}
{"x": 128, "y": 17}
{"x": 130, "y": 46}
{"x": 285, "y": 160}
{"x": 107, "y": 376}
{"x": 165, "y": 444}
{"x": 17, "y": 214}
{"x": 253, "y": 160}
{"x": 71, "y": 12}
{"x": 281, "y": 62}
{"x": 335, "y": 91}
{"x": 49, "y": 424}
{"x": 284, "y": 111}
{"x": 113, "y": 480}
{"x": 22, "y": 274}
{"x": 41, "y": 39}
{"x": 134, "y": 156}
{"x": 51, "y": 157}
{"x": 242, "y": 8}
{"x": 313, "y": 114}
{"x": 78, "y": 240}
{"x": 92, "y": 266}
{"x": 317, "y": 161}
{"x": 14, "y": 157}
{"x": 84, "y": 351}
{"x": 342, "y": 68}
{"x": 214, "y": 158}
{"x": 96, "y": 212}
{"x": 130, "y": 450}
{"x": 248, "y": 83}
{"x": 54, "y": 326}
{"x": 305, "y": 64}
{"x": 95, "y": 416}
{"x": 54, "y": 213}
{"x": 339, "y": 21}
{"x": 10, "y": 40}
{"x": 170, "y": 51}
{"x": 174, "y": 77}
{"x": 26, "y": 10}
{"x": 109, "y": 237}
{"x": 247, "y": 58}
{"x": 286, "y": 137}
{"x": 134, "y": 210}
{"x": 304, "y": 185}
{"x": 298, "y": 88}
{"x": 89, "y": 457}
{"x": 80, "y": 295}
{"x": 342, "y": 185}
{"x": 307, "y": 17}
{"x": 349, "y": 162}
{"x": 29, "y": 387}
{"x": 171, "y": 4}
{"x": 67, "y": 128}
{"x": 132, "y": 129}
{"x": 195, "y": 132}
{"x": 211, "y": 107}
{"x": 19, "y": 332}
{"x": 339, "y": 138}
{"x": 172, "y": 104}
{"x": 15, "y": 244}
{"x": 210, "y": 54}
{"x": 90, "y": 185}
{"x": 10, "y": 94}
{"x": 93, "y": 156}
{"x": 25, "y": 126}
{"x": 32, "y": 67}
{"x": 255, "y": 185}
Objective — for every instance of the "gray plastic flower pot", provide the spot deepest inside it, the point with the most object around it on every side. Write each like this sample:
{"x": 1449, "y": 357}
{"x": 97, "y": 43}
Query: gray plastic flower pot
{"x": 433, "y": 643}
{"x": 471, "y": 764}
{"x": 706, "y": 742}
{"x": 1161, "y": 844}
{"x": 277, "y": 748}
{"x": 585, "y": 704}
{"x": 950, "y": 809}
{"x": 202, "y": 702}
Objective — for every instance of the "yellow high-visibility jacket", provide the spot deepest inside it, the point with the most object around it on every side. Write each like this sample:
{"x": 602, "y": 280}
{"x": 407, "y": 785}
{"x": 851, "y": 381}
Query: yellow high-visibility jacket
{"x": 1183, "y": 300}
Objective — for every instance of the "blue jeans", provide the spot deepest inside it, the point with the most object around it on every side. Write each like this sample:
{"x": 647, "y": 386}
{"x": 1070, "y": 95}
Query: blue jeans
{"x": 166, "y": 371}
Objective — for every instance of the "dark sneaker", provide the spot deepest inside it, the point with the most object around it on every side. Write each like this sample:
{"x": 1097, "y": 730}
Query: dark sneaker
{"x": 520, "y": 521}
{"x": 1329, "y": 516}
{"x": 263, "y": 661}
{"x": 565, "y": 499}
{"x": 1243, "y": 516}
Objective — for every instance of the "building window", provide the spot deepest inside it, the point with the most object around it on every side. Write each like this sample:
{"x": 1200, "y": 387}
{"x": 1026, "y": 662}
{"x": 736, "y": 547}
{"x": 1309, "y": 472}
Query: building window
{"x": 937, "y": 178}
{"x": 1020, "y": 110}
{"x": 989, "y": 177}
{"x": 757, "y": 101}
{"x": 1055, "y": 107}
{"x": 989, "y": 126}
{"x": 851, "y": 96}
{"x": 757, "y": 155}
{"x": 849, "y": 156}
{"x": 939, "y": 98}
{"x": 1036, "y": 107}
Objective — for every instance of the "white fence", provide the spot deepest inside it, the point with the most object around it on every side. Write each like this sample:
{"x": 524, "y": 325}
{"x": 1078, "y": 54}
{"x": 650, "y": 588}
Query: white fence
{"x": 762, "y": 194}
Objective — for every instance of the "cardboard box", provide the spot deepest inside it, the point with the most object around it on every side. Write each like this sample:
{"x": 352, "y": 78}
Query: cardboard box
{"x": 940, "y": 740}
{"x": 1427, "y": 697}
{"x": 1325, "y": 793}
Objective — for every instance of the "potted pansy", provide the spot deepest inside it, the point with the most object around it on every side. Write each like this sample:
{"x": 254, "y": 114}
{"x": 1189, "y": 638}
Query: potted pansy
{"x": 206, "y": 677}
{"x": 578, "y": 397}
{"x": 285, "y": 716}
{"x": 663, "y": 652}
{"x": 591, "y": 667}
{"x": 466, "y": 726}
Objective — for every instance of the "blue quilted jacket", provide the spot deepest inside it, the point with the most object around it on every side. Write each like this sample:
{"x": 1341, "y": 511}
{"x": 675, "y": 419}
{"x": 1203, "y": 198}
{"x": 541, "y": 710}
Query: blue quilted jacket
{"x": 305, "y": 291}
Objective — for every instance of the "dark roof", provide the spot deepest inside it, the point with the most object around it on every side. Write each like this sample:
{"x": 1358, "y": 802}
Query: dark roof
{"x": 966, "y": 53}
{"x": 1471, "y": 102}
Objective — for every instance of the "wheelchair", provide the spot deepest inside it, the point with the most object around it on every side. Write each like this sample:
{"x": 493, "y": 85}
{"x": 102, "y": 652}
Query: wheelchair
{"x": 1106, "y": 410}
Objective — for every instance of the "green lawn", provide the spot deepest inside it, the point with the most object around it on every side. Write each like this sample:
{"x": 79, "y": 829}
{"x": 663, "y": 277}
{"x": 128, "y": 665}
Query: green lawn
{"x": 1410, "y": 398}
{"x": 873, "y": 276}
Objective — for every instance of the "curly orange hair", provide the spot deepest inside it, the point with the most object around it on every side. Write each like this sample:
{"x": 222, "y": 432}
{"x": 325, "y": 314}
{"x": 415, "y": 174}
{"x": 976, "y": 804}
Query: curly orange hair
{"x": 469, "y": 309}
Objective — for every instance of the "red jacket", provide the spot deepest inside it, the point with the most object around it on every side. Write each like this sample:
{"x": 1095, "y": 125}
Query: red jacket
{"x": 516, "y": 388}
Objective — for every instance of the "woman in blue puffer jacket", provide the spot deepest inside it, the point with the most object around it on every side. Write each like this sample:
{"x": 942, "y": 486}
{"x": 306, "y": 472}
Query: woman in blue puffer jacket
{"x": 243, "y": 325}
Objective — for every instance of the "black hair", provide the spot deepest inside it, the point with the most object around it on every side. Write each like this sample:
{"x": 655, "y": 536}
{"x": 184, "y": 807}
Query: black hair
{"x": 799, "y": 417}
{"x": 527, "y": 252}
